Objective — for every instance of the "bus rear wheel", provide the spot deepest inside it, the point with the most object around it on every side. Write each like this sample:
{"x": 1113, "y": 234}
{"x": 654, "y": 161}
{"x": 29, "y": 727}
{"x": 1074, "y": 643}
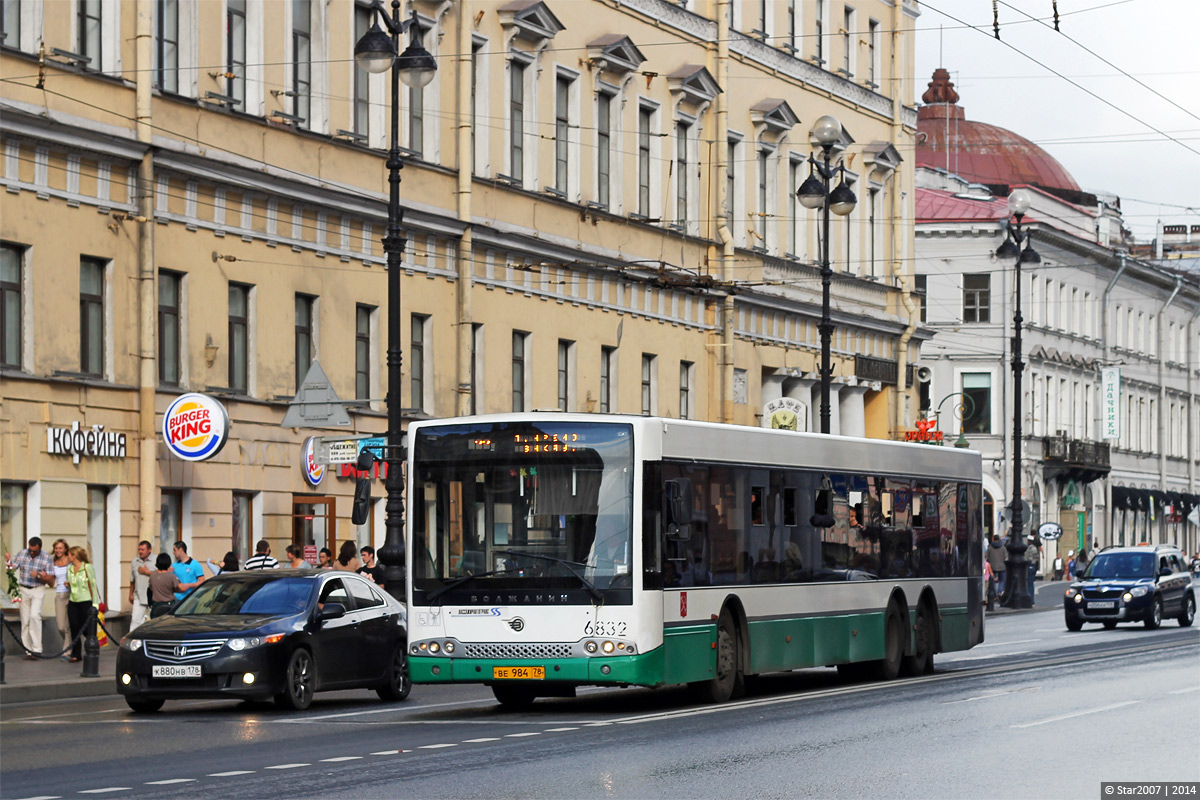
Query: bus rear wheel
{"x": 921, "y": 660}
{"x": 720, "y": 688}
{"x": 513, "y": 698}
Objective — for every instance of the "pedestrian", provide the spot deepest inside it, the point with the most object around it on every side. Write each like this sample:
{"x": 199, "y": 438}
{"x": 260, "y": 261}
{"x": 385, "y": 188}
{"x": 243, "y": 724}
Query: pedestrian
{"x": 187, "y": 569}
{"x": 347, "y": 561}
{"x": 997, "y": 554}
{"x": 85, "y": 597}
{"x": 295, "y": 555}
{"x": 991, "y": 585}
{"x": 164, "y": 586}
{"x": 139, "y": 585}
{"x": 35, "y": 571}
{"x": 228, "y": 564}
{"x": 1081, "y": 564}
{"x": 1059, "y": 567}
{"x": 1033, "y": 555}
{"x": 62, "y": 592}
{"x": 262, "y": 558}
{"x": 325, "y": 559}
{"x": 1196, "y": 563}
{"x": 369, "y": 568}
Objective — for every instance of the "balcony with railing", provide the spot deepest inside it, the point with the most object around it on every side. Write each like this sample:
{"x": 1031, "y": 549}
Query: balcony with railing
{"x": 1074, "y": 459}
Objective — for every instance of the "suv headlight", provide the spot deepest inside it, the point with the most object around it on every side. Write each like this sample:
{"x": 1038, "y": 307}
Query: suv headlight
{"x": 1139, "y": 591}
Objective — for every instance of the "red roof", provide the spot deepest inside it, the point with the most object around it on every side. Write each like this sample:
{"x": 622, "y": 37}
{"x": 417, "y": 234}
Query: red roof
{"x": 979, "y": 152}
{"x": 934, "y": 205}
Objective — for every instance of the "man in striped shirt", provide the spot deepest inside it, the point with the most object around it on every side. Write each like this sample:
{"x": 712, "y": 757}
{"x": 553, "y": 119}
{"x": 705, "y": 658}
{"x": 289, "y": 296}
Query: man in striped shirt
{"x": 262, "y": 558}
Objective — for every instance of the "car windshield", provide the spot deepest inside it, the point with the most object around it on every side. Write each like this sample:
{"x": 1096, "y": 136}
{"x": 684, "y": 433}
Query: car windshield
{"x": 1121, "y": 565}
{"x": 277, "y": 597}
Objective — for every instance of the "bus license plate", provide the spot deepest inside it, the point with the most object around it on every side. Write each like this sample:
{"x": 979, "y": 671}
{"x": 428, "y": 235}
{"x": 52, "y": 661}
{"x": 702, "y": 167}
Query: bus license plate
{"x": 519, "y": 673}
{"x": 175, "y": 671}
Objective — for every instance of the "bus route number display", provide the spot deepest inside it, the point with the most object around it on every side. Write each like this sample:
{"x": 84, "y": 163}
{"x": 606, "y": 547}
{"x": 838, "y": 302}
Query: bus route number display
{"x": 546, "y": 442}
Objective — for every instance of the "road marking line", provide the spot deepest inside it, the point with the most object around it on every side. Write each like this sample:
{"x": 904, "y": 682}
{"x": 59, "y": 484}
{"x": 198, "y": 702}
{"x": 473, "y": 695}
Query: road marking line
{"x": 1077, "y": 714}
{"x": 44, "y": 797}
{"x": 991, "y": 655}
{"x": 481, "y": 740}
{"x": 170, "y": 780}
{"x": 1006, "y": 644}
{"x": 1185, "y": 691}
{"x": 597, "y": 724}
{"x": 288, "y": 766}
{"x": 437, "y": 746}
{"x": 390, "y": 752}
{"x": 1002, "y": 693}
{"x": 560, "y": 730}
{"x": 343, "y": 758}
{"x": 231, "y": 774}
{"x": 520, "y": 735}
{"x": 109, "y": 789}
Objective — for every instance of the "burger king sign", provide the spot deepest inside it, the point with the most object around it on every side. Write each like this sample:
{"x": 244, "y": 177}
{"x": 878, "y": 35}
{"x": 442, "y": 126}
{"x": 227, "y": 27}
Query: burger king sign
{"x": 195, "y": 427}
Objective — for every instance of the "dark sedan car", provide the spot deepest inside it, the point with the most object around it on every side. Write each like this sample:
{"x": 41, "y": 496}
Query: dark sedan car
{"x": 1132, "y": 584}
{"x": 261, "y": 634}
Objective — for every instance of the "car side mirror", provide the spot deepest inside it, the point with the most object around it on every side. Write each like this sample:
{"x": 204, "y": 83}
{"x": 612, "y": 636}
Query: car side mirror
{"x": 1165, "y": 572}
{"x": 331, "y": 611}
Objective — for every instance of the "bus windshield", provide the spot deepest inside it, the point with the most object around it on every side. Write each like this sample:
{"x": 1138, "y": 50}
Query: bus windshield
{"x": 521, "y": 505}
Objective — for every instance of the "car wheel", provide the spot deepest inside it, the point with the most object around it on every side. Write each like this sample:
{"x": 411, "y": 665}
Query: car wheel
{"x": 1188, "y": 613}
{"x": 299, "y": 681}
{"x": 1154, "y": 618}
{"x": 143, "y": 705}
{"x": 513, "y": 698}
{"x": 720, "y": 688}
{"x": 398, "y": 683}
{"x": 1074, "y": 624}
{"x": 921, "y": 661}
{"x": 1110, "y": 624}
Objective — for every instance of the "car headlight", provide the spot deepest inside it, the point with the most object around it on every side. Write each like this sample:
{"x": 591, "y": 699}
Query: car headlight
{"x": 246, "y": 642}
{"x": 1079, "y": 598}
{"x": 1139, "y": 591}
{"x": 131, "y": 644}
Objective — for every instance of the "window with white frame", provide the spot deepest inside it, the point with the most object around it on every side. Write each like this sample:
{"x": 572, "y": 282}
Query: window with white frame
{"x": 874, "y": 231}
{"x": 420, "y": 365}
{"x": 306, "y": 335}
{"x": 687, "y": 379}
{"x": 821, "y": 28}
{"x": 649, "y": 384}
{"x": 763, "y": 164}
{"x": 301, "y": 88}
{"x": 604, "y": 111}
{"x": 10, "y": 26}
{"x": 517, "y": 68}
{"x": 417, "y": 96}
{"x": 170, "y": 327}
{"x": 92, "y": 324}
{"x": 644, "y": 132}
{"x": 235, "y": 52}
{"x": 566, "y": 376}
{"x": 166, "y": 45}
{"x": 977, "y": 301}
{"x": 361, "y": 113}
{"x": 848, "y": 47}
{"x": 364, "y": 351}
{"x": 477, "y": 401}
{"x": 733, "y": 188}
{"x": 792, "y": 44}
{"x": 977, "y": 415}
{"x": 89, "y": 31}
{"x": 873, "y": 69}
{"x": 520, "y": 371}
{"x": 608, "y": 377}
{"x": 562, "y": 133}
{"x": 682, "y": 131}
{"x": 240, "y": 352}
{"x": 795, "y": 215}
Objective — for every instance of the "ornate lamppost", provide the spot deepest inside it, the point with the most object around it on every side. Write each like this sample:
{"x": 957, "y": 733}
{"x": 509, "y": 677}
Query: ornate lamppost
{"x": 377, "y": 52}
{"x": 815, "y": 192}
{"x": 1019, "y": 595}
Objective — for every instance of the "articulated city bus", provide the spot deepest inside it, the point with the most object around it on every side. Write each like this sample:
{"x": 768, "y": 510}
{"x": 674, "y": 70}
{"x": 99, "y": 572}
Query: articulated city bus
{"x": 549, "y": 551}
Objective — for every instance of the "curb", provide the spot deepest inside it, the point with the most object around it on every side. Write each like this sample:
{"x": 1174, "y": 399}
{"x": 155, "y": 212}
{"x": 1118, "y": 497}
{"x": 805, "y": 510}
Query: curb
{"x": 39, "y": 692}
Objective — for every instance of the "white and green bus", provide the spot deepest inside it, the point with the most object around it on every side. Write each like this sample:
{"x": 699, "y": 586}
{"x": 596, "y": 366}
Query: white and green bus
{"x": 549, "y": 551}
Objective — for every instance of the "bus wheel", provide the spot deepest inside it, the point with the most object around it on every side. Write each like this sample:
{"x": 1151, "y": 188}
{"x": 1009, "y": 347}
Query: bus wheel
{"x": 921, "y": 661}
{"x": 513, "y": 698}
{"x": 719, "y": 689}
{"x": 888, "y": 667}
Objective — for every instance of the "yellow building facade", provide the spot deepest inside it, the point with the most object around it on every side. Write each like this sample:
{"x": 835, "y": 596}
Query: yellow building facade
{"x": 600, "y": 214}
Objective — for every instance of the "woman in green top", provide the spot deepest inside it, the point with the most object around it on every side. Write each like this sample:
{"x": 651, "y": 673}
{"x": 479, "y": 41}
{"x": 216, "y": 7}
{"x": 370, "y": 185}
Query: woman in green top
{"x": 81, "y": 578}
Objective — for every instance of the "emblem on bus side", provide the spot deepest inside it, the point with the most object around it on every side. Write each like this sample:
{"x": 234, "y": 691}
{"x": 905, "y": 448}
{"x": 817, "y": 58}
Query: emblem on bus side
{"x": 517, "y": 624}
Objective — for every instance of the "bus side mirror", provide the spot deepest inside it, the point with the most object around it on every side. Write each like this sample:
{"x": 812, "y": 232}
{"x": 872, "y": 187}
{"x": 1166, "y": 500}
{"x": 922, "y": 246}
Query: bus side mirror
{"x": 678, "y": 493}
{"x": 823, "y": 510}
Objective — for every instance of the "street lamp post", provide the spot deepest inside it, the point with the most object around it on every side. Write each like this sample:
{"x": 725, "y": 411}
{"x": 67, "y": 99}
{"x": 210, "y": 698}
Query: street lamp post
{"x": 377, "y": 52}
{"x": 815, "y": 193}
{"x": 1019, "y": 590}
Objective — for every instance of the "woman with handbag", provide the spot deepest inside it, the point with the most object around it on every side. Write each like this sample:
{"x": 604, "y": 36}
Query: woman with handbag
{"x": 81, "y": 578}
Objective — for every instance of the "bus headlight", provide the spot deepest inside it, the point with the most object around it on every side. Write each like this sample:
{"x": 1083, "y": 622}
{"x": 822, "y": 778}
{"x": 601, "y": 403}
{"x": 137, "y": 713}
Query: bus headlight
{"x": 608, "y": 647}
{"x": 449, "y": 647}
{"x": 589, "y": 646}
{"x": 434, "y": 647}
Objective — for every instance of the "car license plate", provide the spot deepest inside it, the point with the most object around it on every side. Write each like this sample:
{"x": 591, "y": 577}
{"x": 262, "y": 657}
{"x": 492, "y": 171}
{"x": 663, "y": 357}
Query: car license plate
{"x": 175, "y": 671}
{"x": 519, "y": 673}
{"x": 1103, "y": 604}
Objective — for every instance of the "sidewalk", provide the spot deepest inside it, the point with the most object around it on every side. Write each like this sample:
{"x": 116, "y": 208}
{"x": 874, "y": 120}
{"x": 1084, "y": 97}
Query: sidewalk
{"x": 53, "y": 679}
{"x": 1048, "y": 595}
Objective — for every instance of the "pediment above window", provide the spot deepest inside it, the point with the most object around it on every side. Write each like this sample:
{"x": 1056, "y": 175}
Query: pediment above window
{"x": 773, "y": 116}
{"x": 882, "y": 157}
{"x": 530, "y": 20}
{"x": 615, "y": 52}
{"x": 694, "y": 84}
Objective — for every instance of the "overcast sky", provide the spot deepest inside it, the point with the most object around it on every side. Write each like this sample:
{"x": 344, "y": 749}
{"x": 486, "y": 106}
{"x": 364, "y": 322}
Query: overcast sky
{"x": 1103, "y": 147}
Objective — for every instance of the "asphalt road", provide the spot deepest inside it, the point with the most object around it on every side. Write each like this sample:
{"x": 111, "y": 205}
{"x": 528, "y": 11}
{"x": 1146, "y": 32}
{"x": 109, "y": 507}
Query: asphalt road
{"x": 1034, "y": 712}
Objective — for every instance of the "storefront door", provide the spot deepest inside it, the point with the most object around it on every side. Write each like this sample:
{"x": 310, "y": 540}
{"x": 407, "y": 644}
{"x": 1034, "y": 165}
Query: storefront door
{"x": 313, "y": 522}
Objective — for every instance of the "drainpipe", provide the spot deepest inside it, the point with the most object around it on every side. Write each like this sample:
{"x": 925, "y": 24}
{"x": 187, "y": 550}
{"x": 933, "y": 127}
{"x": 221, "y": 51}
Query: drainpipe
{"x": 1111, "y": 515}
{"x": 725, "y": 347}
{"x": 1162, "y": 386}
{"x": 1193, "y": 359}
{"x": 147, "y": 289}
{"x": 466, "y": 168}
{"x": 898, "y": 262}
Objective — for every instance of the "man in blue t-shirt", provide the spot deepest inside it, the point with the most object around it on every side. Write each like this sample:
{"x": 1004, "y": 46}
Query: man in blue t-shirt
{"x": 187, "y": 569}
